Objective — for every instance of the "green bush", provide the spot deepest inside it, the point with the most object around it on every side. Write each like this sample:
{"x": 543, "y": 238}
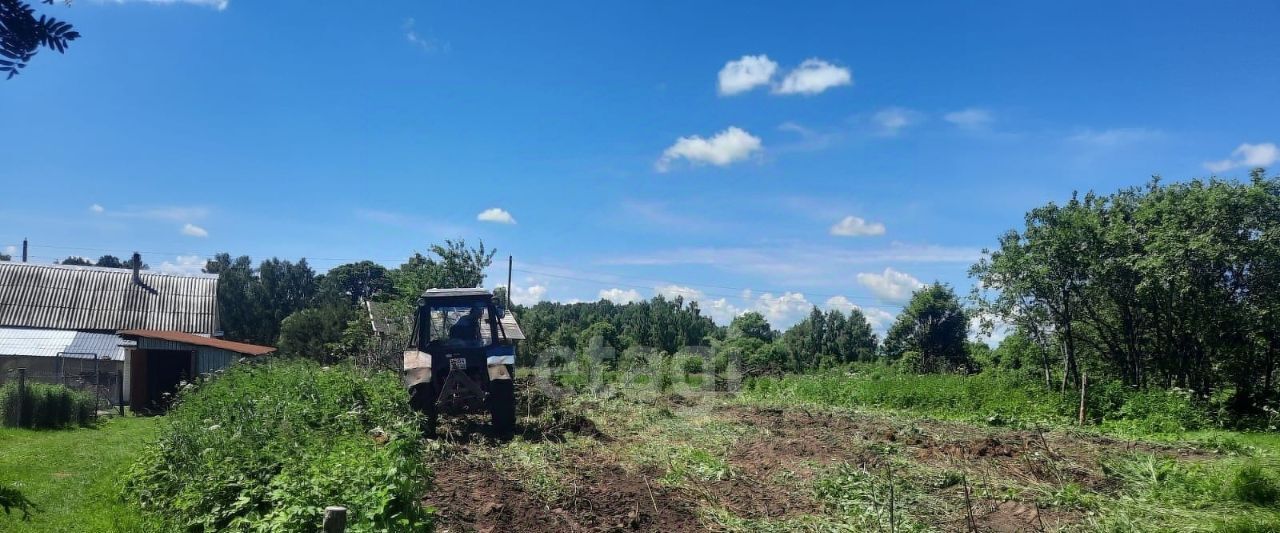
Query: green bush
{"x": 267, "y": 447}
{"x": 46, "y": 406}
{"x": 1159, "y": 411}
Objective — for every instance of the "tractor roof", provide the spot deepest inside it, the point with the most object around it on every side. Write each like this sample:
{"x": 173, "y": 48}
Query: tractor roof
{"x": 455, "y": 293}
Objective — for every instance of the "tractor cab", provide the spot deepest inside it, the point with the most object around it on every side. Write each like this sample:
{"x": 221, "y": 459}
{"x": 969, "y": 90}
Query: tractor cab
{"x": 460, "y": 358}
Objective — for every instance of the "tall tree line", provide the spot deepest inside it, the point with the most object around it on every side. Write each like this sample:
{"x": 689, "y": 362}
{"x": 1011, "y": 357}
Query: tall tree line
{"x": 1159, "y": 286}
{"x": 660, "y": 323}
{"x": 285, "y": 303}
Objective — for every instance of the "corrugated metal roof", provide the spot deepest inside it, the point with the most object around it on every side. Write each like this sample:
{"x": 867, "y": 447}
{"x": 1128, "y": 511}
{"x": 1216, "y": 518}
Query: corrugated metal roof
{"x": 512, "y": 328}
{"x": 105, "y": 299}
{"x": 69, "y": 343}
{"x": 187, "y": 338}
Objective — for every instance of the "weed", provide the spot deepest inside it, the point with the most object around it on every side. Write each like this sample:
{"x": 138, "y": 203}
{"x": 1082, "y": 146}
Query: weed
{"x": 267, "y": 447}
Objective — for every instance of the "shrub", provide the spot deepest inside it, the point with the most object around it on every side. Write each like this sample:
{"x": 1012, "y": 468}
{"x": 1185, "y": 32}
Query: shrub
{"x": 267, "y": 447}
{"x": 46, "y": 406}
{"x": 1253, "y": 484}
{"x": 691, "y": 365}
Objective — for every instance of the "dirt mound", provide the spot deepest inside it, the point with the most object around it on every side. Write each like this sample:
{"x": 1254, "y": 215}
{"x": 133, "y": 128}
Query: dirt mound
{"x": 475, "y": 497}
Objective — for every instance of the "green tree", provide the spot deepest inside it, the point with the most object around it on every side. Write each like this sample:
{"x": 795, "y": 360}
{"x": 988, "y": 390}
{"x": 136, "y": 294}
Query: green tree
{"x": 76, "y": 261}
{"x": 358, "y": 281}
{"x": 316, "y": 333}
{"x": 109, "y": 261}
{"x": 22, "y": 35}
{"x": 933, "y": 324}
{"x": 751, "y": 325}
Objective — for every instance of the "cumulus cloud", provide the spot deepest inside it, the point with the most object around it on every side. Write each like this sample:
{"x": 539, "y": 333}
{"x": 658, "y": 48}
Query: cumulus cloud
{"x": 1247, "y": 155}
{"x": 891, "y": 286}
{"x": 194, "y": 230}
{"x": 879, "y": 319}
{"x": 496, "y": 215}
{"x": 528, "y": 295}
{"x": 784, "y": 309}
{"x": 671, "y": 291}
{"x": 813, "y": 76}
{"x": 96, "y": 209}
{"x": 216, "y": 4}
{"x": 893, "y": 120}
{"x": 745, "y": 74}
{"x": 10, "y": 250}
{"x": 728, "y": 146}
{"x": 621, "y": 296}
{"x": 852, "y": 226}
{"x": 184, "y": 265}
{"x": 972, "y": 118}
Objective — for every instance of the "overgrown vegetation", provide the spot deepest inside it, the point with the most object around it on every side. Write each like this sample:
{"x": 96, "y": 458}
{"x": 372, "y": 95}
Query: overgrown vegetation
{"x": 45, "y": 406}
{"x": 1161, "y": 286}
{"x": 267, "y": 447}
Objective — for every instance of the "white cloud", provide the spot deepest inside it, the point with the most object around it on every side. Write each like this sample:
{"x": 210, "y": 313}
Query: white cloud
{"x": 1247, "y": 155}
{"x": 497, "y": 215}
{"x": 96, "y": 209}
{"x": 813, "y": 76}
{"x": 216, "y": 4}
{"x": 528, "y": 295}
{"x": 671, "y": 291}
{"x": 852, "y": 226}
{"x": 972, "y": 118}
{"x": 891, "y": 286}
{"x": 728, "y": 146}
{"x": 183, "y": 264}
{"x": 783, "y": 310}
{"x": 621, "y": 296}
{"x": 999, "y": 330}
{"x": 892, "y": 120}
{"x": 722, "y": 311}
{"x": 879, "y": 319}
{"x": 426, "y": 43}
{"x": 746, "y": 74}
{"x": 1115, "y": 137}
{"x": 194, "y": 230}
{"x": 10, "y": 250}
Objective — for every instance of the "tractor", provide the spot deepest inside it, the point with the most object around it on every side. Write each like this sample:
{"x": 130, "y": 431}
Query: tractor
{"x": 460, "y": 359}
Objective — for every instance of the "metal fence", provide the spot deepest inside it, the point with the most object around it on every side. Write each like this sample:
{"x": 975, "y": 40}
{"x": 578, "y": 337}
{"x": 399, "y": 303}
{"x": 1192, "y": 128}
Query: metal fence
{"x": 103, "y": 378}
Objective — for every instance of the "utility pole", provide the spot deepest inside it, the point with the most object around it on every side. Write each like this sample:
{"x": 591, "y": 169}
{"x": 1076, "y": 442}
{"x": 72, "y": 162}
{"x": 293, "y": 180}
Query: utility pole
{"x": 509, "y": 261}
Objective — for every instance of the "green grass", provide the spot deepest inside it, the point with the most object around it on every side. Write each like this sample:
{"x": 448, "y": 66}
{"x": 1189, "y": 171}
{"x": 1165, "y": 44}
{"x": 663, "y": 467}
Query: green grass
{"x": 73, "y": 476}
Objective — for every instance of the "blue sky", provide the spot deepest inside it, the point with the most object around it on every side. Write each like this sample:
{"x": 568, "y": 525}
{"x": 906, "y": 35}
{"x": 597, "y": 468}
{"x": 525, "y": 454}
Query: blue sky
{"x": 751, "y": 156}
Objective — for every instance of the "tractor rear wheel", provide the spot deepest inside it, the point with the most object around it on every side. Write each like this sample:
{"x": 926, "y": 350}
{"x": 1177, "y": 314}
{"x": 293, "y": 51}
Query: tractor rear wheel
{"x": 422, "y": 398}
{"x": 502, "y": 407}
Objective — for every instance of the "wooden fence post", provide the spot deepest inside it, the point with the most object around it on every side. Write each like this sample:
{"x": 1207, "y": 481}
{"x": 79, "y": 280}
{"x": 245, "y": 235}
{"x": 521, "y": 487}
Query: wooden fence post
{"x": 22, "y": 394}
{"x": 335, "y": 519}
{"x": 1084, "y": 386}
{"x": 120, "y": 390}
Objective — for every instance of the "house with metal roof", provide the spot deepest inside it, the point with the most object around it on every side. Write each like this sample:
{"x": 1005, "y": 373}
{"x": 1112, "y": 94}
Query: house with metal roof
{"x": 76, "y": 324}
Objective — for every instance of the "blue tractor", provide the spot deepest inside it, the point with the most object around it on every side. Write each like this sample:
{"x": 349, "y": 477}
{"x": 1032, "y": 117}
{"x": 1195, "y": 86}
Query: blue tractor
{"x": 460, "y": 359}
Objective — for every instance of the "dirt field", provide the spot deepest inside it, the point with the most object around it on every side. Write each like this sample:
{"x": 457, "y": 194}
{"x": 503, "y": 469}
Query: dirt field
{"x": 678, "y": 464}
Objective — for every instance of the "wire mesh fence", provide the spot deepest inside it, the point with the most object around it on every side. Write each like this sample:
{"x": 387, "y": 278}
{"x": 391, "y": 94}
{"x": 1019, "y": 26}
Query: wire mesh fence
{"x": 101, "y": 378}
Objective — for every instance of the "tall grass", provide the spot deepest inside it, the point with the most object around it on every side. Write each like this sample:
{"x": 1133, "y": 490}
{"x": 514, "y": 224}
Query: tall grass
{"x": 995, "y": 399}
{"x": 267, "y": 447}
{"x": 45, "y": 406}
